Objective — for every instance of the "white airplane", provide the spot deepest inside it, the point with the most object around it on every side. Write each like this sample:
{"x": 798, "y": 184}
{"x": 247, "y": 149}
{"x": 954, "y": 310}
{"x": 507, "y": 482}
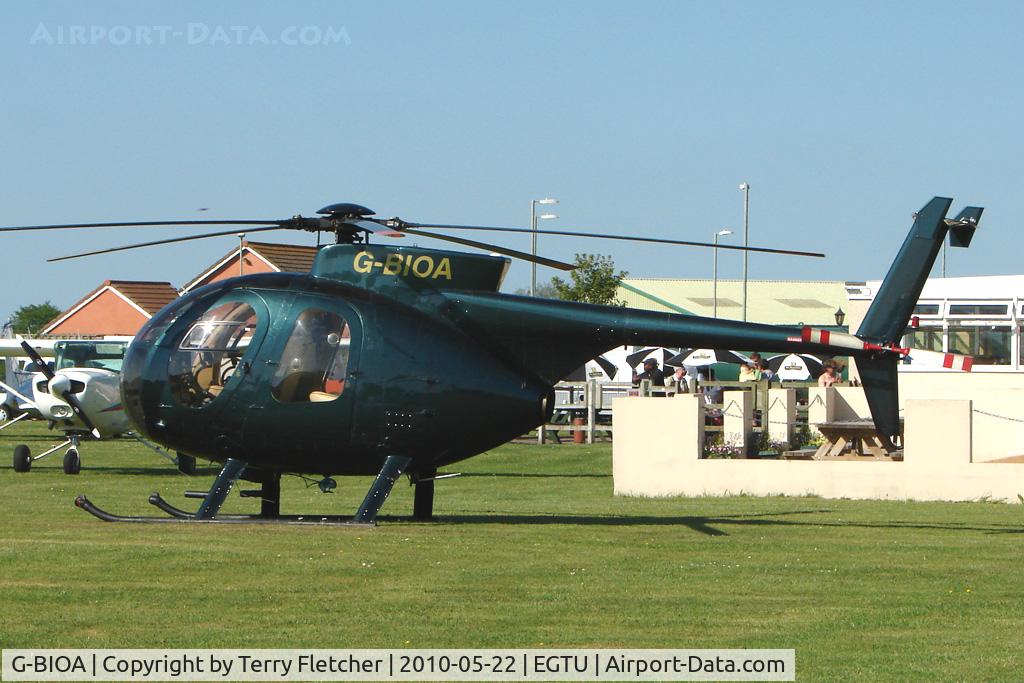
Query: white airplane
{"x": 16, "y": 385}
{"x": 80, "y": 395}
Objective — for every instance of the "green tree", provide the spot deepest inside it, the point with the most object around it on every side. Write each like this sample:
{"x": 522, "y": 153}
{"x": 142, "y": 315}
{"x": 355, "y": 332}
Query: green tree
{"x": 593, "y": 282}
{"x": 32, "y": 319}
{"x": 545, "y": 290}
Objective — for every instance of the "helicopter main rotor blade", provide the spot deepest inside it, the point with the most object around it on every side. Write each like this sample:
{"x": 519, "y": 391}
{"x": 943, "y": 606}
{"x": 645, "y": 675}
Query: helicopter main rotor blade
{"x": 135, "y": 224}
{"x": 171, "y": 240}
{"x": 551, "y": 263}
{"x": 398, "y": 225}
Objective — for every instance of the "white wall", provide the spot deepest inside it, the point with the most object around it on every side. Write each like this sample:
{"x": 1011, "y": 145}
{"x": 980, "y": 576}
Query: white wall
{"x": 937, "y": 461}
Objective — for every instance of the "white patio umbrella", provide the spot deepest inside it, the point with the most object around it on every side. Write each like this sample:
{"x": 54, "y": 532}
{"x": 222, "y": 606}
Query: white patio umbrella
{"x": 662, "y": 355}
{"x": 795, "y": 366}
{"x": 698, "y": 358}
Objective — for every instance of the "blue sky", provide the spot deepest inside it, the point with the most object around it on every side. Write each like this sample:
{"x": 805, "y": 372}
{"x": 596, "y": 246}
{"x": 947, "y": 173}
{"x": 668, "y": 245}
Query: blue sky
{"x": 641, "y": 118}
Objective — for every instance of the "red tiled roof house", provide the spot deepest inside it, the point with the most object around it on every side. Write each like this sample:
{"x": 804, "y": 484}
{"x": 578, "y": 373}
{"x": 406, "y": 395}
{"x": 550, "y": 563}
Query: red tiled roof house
{"x": 257, "y": 257}
{"x": 117, "y": 307}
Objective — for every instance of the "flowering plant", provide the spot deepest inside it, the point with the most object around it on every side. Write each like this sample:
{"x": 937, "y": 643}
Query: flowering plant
{"x": 722, "y": 450}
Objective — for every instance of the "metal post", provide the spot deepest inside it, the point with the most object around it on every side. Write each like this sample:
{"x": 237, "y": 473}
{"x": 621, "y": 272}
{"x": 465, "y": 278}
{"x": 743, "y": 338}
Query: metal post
{"x": 533, "y": 248}
{"x": 533, "y": 228}
{"x": 714, "y": 290}
{"x": 714, "y": 287}
{"x": 592, "y": 389}
{"x": 746, "y": 241}
{"x": 241, "y": 254}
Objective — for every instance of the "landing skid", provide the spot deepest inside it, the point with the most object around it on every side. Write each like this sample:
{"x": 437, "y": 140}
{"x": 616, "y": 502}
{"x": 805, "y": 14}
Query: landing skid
{"x": 295, "y": 520}
{"x": 270, "y": 495}
{"x": 156, "y": 500}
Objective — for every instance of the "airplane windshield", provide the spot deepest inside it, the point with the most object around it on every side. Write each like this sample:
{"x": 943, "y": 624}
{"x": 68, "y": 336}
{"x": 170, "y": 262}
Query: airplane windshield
{"x": 89, "y": 354}
{"x": 210, "y": 352}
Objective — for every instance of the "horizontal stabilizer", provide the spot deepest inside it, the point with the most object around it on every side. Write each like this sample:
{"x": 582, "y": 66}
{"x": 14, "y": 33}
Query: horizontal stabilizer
{"x": 961, "y": 228}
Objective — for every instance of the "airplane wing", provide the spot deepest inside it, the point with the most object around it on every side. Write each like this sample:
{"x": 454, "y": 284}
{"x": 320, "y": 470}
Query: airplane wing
{"x": 12, "y": 347}
{"x": 14, "y": 392}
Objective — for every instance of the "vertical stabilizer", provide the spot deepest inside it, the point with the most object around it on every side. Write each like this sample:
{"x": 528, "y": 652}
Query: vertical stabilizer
{"x": 890, "y": 312}
{"x": 881, "y": 389}
{"x": 892, "y": 307}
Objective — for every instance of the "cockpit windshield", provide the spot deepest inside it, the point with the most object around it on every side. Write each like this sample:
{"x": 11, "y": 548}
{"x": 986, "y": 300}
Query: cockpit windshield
{"x": 209, "y": 353}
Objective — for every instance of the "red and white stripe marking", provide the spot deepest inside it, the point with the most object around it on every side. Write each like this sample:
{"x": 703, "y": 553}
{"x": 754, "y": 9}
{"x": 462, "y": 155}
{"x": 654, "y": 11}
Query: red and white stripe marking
{"x": 938, "y": 359}
{"x": 955, "y": 362}
{"x": 812, "y": 335}
{"x": 952, "y": 361}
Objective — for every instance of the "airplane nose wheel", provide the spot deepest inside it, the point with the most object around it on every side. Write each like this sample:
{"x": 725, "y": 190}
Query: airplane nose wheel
{"x": 72, "y": 463}
{"x": 22, "y": 458}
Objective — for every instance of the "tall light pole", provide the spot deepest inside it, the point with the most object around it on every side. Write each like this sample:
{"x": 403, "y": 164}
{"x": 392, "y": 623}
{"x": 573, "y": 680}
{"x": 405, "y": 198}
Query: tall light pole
{"x": 714, "y": 287}
{"x": 241, "y": 254}
{"x": 746, "y": 241}
{"x": 533, "y": 223}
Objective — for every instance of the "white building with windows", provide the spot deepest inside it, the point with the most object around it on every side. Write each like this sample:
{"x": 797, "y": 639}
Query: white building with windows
{"x": 981, "y": 317}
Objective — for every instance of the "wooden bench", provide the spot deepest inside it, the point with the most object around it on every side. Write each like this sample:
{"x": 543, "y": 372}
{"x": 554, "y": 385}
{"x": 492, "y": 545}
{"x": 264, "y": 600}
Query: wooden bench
{"x": 853, "y": 440}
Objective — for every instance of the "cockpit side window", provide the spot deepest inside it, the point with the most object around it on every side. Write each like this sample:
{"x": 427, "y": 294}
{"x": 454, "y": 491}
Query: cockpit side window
{"x": 210, "y": 352}
{"x": 315, "y": 359}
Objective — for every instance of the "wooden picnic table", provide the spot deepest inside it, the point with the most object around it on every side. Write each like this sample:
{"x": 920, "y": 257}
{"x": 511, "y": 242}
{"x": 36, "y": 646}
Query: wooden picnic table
{"x": 856, "y": 436}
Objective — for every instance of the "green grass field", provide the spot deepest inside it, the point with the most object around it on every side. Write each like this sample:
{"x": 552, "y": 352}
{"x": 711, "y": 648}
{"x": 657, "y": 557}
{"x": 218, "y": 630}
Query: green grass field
{"x": 530, "y": 549}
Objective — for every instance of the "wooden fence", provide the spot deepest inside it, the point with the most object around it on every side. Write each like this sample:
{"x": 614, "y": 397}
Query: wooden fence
{"x": 587, "y": 406}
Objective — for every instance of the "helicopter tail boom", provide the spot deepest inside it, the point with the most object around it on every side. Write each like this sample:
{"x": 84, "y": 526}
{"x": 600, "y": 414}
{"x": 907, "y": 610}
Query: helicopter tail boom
{"x": 550, "y": 338}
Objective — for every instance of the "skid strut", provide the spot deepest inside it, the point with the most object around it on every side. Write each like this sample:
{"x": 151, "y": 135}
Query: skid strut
{"x": 270, "y": 496}
{"x": 218, "y": 493}
{"x": 381, "y": 489}
{"x": 423, "y": 497}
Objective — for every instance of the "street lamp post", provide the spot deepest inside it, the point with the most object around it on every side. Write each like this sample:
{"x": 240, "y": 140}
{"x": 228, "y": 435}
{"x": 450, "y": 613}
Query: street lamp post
{"x": 241, "y": 254}
{"x": 746, "y": 241}
{"x": 714, "y": 286}
{"x": 533, "y": 223}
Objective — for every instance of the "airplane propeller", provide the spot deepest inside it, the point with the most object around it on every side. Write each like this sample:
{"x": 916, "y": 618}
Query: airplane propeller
{"x": 352, "y": 223}
{"x": 63, "y": 391}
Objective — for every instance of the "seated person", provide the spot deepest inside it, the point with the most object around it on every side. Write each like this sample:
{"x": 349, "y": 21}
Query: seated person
{"x": 829, "y": 376}
{"x": 751, "y": 372}
{"x": 678, "y": 382}
{"x": 653, "y": 373}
